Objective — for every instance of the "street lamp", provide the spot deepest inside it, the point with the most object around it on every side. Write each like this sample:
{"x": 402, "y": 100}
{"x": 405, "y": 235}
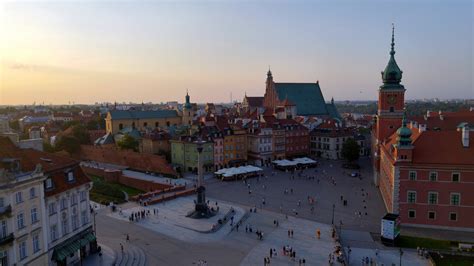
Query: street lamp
{"x": 333, "y": 206}
{"x": 401, "y": 254}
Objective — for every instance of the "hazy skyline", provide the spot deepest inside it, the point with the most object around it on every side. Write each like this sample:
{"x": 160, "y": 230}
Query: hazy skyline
{"x": 86, "y": 52}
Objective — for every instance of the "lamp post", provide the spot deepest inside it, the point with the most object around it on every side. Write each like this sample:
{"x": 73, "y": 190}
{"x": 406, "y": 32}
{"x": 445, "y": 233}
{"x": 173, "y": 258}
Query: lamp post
{"x": 401, "y": 254}
{"x": 333, "y": 206}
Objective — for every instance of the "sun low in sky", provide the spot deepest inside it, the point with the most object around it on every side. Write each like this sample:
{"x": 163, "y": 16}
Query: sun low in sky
{"x": 86, "y": 51}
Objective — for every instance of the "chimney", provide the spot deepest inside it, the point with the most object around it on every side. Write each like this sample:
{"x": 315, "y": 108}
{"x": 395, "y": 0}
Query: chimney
{"x": 465, "y": 136}
{"x": 422, "y": 128}
{"x": 428, "y": 113}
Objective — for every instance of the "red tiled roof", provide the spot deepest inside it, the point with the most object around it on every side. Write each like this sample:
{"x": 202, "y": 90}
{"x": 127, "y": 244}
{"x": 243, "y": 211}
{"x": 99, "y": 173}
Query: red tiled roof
{"x": 53, "y": 165}
{"x": 450, "y": 119}
{"x": 255, "y": 101}
{"x": 448, "y": 148}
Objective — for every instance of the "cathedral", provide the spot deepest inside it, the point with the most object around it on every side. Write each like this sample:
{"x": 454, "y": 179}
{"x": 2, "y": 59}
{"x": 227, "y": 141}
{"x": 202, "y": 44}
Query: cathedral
{"x": 306, "y": 97}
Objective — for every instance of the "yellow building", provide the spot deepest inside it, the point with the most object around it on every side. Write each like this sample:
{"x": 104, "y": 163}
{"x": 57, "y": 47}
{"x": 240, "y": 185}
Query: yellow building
{"x": 235, "y": 146}
{"x": 117, "y": 120}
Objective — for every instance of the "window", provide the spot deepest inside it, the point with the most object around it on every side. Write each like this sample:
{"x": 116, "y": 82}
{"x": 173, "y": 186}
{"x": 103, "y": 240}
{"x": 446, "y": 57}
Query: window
{"x": 453, "y": 216}
{"x": 432, "y": 197}
{"x": 412, "y": 175}
{"x": 34, "y": 215}
{"x": 120, "y": 126}
{"x": 3, "y": 229}
{"x": 70, "y": 176}
{"x": 54, "y": 232}
{"x": 411, "y": 214}
{"x": 157, "y": 124}
{"x": 64, "y": 224}
{"x": 145, "y": 124}
{"x": 455, "y": 199}
{"x": 455, "y": 177}
{"x": 84, "y": 219}
{"x": 433, "y": 176}
{"x": 73, "y": 199}
{"x": 22, "y": 250}
{"x": 32, "y": 193}
{"x": 411, "y": 197}
{"x": 431, "y": 215}
{"x": 20, "y": 220}
{"x": 83, "y": 196}
{"x": 74, "y": 219}
{"x": 36, "y": 243}
{"x": 19, "y": 197}
{"x": 392, "y": 109}
{"x": 63, "y": 203}
{"x": 2, "y": 202}
{"x": 52, "y": 208}
{"x": 49, "y": 183}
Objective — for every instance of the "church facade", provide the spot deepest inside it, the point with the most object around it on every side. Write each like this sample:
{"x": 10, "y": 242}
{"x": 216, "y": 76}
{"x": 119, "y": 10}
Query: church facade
{"x": 307, "y": 97}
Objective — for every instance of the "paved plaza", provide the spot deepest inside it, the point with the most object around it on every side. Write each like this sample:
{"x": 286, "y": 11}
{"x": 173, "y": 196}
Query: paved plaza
{"x": 170, "y": 238}
{"x": 361, "y": 195}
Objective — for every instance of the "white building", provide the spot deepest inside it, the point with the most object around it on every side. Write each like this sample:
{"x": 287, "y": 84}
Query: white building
{"x": 22, "y": 219}
{"x": 62, "y": 209}
{"x": 259, "y": 144}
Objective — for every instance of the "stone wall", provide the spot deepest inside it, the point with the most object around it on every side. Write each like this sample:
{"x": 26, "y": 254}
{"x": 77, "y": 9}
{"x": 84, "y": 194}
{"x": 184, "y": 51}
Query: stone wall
{"x": 133, "y": 160}
{"x": 115, "y": 175}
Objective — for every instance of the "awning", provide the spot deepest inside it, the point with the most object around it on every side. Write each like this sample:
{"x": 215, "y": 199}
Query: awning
{"x": 71, "y": 246}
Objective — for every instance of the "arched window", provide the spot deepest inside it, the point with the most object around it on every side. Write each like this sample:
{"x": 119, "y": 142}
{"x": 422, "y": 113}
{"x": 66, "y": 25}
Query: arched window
{"x": 120, "y": 126}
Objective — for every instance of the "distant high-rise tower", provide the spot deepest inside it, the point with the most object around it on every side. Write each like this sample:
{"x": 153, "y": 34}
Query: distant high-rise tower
{"x": 391, "y": 105}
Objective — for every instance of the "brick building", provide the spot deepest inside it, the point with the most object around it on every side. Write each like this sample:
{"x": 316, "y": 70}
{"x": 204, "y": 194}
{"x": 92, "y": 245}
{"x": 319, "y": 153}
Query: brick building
{"x": 424, "y": 166}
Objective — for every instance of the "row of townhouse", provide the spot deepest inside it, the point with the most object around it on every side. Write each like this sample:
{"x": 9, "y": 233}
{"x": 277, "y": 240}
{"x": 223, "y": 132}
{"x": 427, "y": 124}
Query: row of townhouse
{"x": 45, "y": 216}
{"x": 229, "y": 143}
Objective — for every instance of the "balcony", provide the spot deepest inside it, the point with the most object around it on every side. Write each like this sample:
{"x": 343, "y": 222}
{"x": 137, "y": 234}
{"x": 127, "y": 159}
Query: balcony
{"x": 6, "y": 239}
{"x": 5, "y": 211}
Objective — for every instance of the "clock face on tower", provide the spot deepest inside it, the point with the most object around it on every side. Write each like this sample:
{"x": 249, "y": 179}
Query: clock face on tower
{"x": 391, "y": 99}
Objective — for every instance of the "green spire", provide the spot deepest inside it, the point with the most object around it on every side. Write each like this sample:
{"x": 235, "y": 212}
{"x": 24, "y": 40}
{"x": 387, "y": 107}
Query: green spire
{"x": 392, "y": 73}
{"x": 404, "y": 133}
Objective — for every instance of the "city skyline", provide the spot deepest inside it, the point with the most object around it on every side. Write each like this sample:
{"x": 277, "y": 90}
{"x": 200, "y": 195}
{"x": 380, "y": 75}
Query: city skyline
{"x": 87, "y": 52}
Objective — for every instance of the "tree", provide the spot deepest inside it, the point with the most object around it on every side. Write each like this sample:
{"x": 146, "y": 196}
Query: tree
{"x": 69, "y": 144}
{"x": 350, "y": 150}
{"x": 128, "y": 143}
{"x": 81, "y": 134}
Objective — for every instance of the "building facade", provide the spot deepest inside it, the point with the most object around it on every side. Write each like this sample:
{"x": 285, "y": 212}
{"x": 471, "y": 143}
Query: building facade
{"x": 118, "y": 120}
{"x": 259, "y": 144}
{"x": 424, "y": 167}
{"x": 22, "y": 220}
{"x": 184, "y": 154}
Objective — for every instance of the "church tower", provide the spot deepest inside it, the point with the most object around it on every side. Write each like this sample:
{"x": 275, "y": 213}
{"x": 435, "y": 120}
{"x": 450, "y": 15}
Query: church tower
{"x": 391, "y": 98}
{"x": 270, "y": 97}
{"x": 188, "y": 112}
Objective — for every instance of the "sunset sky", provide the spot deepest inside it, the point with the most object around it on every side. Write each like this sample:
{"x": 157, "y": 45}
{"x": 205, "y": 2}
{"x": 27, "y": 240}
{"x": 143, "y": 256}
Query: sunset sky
{"x": 94, "y": 51}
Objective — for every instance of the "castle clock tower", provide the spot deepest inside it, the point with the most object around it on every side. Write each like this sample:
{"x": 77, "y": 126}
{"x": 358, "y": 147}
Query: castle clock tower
{"x": 391, "y": 98}
{"x": 391, "y": 105}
